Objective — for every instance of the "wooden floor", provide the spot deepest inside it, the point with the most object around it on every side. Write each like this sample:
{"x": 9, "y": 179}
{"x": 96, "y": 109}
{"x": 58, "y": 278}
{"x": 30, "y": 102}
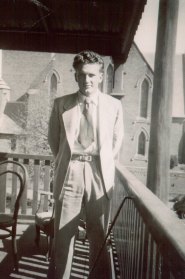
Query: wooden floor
{"x": 32, "y": 261}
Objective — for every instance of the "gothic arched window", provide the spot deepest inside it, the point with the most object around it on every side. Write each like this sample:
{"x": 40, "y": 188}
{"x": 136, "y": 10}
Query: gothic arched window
{"x": 53, "y": 85}
{"x": 109, "y": 79}
{"x": 141, "y": 144}
{"x": 144, "y": 98}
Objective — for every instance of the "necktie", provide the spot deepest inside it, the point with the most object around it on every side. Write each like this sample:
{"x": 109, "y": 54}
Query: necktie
{"x": 86, "y": 136}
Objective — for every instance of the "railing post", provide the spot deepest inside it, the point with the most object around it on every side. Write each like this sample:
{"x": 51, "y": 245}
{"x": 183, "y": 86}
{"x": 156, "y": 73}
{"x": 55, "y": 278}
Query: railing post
{"x": 36, "y": 184}
{"x": 3, "y": 183}
{"x": 24, "y": 196}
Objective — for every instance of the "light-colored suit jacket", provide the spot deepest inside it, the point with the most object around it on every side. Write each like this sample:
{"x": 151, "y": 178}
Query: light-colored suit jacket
{"x": 61, "y": 136}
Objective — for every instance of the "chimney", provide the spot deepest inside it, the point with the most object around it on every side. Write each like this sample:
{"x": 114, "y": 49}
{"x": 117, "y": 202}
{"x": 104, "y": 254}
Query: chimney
{"x": 4, "y": 96}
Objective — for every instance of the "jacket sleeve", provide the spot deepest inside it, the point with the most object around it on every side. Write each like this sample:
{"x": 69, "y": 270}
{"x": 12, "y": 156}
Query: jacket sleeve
{"x": 118, "y": 130}
{"x": 54, "y": 130}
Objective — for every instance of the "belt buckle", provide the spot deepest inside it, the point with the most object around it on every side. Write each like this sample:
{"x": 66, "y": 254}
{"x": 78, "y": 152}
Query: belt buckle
{"x": 84, "y": 158}
{"x": 89, "y": 158}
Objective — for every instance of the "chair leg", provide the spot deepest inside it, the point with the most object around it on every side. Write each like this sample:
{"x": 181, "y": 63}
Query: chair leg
{"x": 50, "y": 247}
{"x": 37, "y": 237}
{"x": 14, "y": 249}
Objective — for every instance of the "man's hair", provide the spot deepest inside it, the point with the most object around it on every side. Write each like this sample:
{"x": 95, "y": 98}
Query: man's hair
{"x": 88, "y": 57}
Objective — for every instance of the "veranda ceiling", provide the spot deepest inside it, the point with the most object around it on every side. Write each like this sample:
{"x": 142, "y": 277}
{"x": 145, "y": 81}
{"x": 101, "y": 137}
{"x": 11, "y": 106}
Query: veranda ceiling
{"x": 69, "y": 26}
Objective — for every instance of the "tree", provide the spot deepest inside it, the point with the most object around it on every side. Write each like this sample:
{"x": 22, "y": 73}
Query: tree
{"x": 39, "y": 108}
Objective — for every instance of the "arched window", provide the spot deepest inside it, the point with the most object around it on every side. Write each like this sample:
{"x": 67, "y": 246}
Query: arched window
{"x": 53, "y": 85}
{"x": 144, "y": 98}
{"x": 141, "y": 144}
{"x": 109, "y": 79}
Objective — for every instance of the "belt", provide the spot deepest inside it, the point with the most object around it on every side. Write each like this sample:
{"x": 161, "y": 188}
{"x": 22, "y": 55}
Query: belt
{"x": 84, "y": 157}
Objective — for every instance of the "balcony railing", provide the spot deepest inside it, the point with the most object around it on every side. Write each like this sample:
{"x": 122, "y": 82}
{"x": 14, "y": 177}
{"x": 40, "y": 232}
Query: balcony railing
{"x": 148, "y": 237}
{"x": 39, "y": 169}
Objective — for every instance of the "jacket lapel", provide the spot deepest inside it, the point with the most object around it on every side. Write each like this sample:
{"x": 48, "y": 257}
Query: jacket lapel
{"x": 70, "y": 118}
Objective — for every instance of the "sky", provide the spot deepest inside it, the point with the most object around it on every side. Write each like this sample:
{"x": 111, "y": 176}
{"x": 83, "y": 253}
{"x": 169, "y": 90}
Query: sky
{"x": 145, "y": 37}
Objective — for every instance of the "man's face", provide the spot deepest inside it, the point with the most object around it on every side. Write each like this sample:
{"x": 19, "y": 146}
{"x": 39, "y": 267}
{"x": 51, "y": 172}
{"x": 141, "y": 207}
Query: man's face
{"x": 88, "y": 77}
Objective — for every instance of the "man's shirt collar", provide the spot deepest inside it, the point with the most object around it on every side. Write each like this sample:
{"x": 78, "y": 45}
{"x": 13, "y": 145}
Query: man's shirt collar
{"x": 93, "y": 98}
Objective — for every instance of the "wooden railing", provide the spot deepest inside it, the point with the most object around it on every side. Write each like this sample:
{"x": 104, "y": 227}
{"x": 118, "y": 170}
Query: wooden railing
{"x": 39, "y": 169}
{"x": 149, "y": 238}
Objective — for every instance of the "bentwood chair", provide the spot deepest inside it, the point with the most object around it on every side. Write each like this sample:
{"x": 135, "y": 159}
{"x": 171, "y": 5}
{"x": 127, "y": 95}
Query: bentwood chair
{"x": 8, "y": 221}
{"x": 44, "y": 220}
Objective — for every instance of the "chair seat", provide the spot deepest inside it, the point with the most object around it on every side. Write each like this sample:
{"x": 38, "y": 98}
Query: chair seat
{"x": 6, "y": 220}
{"x": 45, "y": 221}
{"x": 43, "y": 217}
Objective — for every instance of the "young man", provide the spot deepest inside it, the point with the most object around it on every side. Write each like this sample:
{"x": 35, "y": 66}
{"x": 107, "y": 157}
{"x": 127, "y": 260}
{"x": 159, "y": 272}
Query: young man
{"x": 85, "y": 134}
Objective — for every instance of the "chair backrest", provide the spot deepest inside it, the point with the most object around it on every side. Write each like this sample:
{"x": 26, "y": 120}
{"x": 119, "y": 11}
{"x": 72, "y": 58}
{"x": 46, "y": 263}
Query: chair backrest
{"x": 22, "y": 177}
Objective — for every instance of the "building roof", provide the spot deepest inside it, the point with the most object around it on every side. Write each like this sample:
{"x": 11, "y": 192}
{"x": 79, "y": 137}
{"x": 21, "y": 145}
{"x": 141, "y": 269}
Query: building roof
{"x": 106, "y": 26}
{"x": 17, "y": 111}
{"x": 9, "y": 127}
{"x": 35, "y": 84}
{"x": 145, "y": 58}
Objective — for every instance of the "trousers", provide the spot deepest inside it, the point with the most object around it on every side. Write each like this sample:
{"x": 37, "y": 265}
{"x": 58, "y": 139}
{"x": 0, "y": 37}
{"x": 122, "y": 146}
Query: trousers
{"x": 83, "y": 184}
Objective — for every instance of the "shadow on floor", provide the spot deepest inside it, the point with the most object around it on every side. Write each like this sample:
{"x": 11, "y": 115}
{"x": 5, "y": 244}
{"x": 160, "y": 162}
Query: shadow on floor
{"x": 32, "y": 261}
